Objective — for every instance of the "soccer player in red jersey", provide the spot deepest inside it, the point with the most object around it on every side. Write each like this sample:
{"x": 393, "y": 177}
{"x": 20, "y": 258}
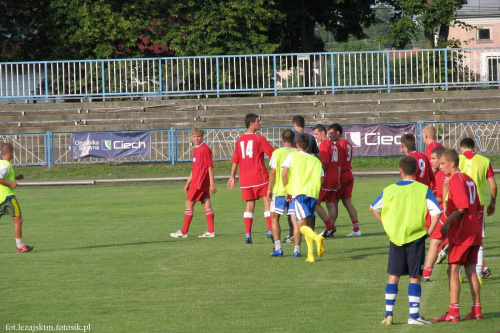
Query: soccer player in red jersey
{"x": 424, "y": 172}
{"x": 330, "y": 163}
{"x": 436, "y": 238}
{"x": 254, "y": 178}
{"x": 463, "y": 229}
{"x": 429, "y": 138}
{"x": 479, "y": 168}
{"x": 344, "y": 193}
{"x": 199, "y": 185}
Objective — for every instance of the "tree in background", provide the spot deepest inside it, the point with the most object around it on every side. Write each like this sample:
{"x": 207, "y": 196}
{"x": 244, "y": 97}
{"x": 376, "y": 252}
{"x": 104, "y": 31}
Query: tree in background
{"x": 214, "y": 27}
{"x": 295, "y": 32}
{"x": 411, "y": 17}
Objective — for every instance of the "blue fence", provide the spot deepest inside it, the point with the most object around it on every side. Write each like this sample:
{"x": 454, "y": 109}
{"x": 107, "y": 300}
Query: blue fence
{"x": 331, "y": 72}
{"x": 174, "y": 145}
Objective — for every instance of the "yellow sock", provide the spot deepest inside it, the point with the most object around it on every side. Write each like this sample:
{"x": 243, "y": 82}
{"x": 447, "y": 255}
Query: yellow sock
{"x": 309, "y": 241}
{"x": 307, "y": 231}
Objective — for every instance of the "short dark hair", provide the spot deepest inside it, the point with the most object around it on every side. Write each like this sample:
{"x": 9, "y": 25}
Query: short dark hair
{"x": 408, "y": 164}
{"x": 299, "y": 121}
{"x": 320, "y": 128}
{"x": 467, "y": 143}
{"x": 6, "y": 148}
{"x": 250, "y": 118}
{"x": 438, "y": 151}
{"x": 408, "y": 140}
{"x": 303, "y": 141}
{"x": 336, "y": 127}
{"x": 287, "y": 136}
{"x": 451, "y": 155}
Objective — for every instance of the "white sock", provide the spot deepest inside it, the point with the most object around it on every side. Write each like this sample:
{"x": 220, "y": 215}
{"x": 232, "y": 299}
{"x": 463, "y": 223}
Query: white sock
{"x": 277, "y": 245}
{"x": 479, "y": 265}
{"x": 297, "y": 249}
{"x": 19, "y": 243}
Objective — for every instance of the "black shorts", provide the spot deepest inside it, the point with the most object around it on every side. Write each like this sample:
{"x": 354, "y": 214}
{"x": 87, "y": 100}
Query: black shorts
{"x": 407, "y": 259}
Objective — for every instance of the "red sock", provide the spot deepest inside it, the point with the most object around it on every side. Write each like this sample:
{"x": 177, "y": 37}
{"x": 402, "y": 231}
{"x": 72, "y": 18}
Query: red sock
{"x": 454, "y": 310}
{"x": 328, "y": 224}
{"x": 355, "y": 225}
{"x": 476, "y": 309}
{"x": 267, "y": 216}
{"x": 188, "y": 216}
{"x": 210, "y": 220}
{"x": 427, "y": 272}
{"x": 248, "y": 219}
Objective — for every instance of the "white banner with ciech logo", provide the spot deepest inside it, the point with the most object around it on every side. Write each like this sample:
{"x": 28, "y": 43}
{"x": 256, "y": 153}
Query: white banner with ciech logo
{"x": 110, "y": 144}
{"x": 370, "y": 140}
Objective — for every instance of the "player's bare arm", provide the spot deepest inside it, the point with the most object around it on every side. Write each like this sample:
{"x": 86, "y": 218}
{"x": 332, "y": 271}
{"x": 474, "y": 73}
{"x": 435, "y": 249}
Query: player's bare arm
{"x": 377, "y": 214}
{"x": 490, "y": 210}
{"x": 272, "y": 179}
{"x": 434, "y": 222}
{"x": 230, "y": 183}
{"x": 453, "y": 216}
{"x": 188, "y": 183}
{"x": 213, "y": 189}
{"x": 7, "y": 183}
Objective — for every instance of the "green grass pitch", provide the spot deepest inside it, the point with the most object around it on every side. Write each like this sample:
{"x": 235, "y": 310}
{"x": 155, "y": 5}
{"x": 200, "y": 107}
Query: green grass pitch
{"x": 103, "y": 257}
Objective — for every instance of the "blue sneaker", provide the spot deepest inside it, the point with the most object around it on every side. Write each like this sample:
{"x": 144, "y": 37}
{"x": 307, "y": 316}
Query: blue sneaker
{"x": 248, "y": 239}
{"x": 270, "y": 235}
{"x": 297, "y": 255}
{"x": 277, "y": 253}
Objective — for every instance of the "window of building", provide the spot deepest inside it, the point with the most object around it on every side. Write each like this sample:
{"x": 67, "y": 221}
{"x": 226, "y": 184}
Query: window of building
{"x": 484, "y": 35}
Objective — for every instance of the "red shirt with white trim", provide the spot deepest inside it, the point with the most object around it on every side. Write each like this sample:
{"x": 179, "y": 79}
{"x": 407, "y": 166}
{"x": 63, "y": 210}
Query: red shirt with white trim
{"x": 424, "y": 173}
{"x": 249, "y": 154}
{"x": 202, "y": 160}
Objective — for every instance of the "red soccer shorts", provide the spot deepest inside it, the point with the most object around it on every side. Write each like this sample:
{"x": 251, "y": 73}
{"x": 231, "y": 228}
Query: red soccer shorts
{"x": 436, "y": 234}
{"x": 462, "y": 255}
{"x": 198, "y": 195}
{"x": 327, "y": 196}
{"x": 346, "y": 185}
{"x": 253, "y": 193}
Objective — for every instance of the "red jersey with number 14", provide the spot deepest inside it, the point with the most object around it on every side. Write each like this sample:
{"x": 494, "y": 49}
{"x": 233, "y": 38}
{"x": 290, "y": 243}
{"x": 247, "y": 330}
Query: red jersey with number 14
{"x": 467, "y": 228}
{"x": 202, "y": 160}
{"x": 249, "y": 154}
{"x": 424, "y": 173}
{"x": 345, "y": 154}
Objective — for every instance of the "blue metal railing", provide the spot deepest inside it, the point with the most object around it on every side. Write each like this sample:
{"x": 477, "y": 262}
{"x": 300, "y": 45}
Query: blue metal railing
{"x": 330, "y": 72}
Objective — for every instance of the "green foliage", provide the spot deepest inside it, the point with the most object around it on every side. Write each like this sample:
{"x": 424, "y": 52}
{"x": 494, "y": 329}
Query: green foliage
{"x": 411, "y": 17}
{"x": 221, "y": 27}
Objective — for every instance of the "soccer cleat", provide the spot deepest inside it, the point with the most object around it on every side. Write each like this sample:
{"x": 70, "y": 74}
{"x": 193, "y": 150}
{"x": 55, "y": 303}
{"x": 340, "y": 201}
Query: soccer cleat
{"x": 319, "y": 246}
{"x": 24, "y": 248}
{"x": 387, "y": 321}
{"x": 441, "y": 256}
{"x": 486, "y": 273}
{"x": 425, "y": 279}
{"x": 446, "y": 317}
{"x": 418, "y": 321}
{"x": 207, "y": 235}
{"x": 179, "y": 234}
{"x": 270, "y": 235}
{"x": 248, "y": 239}
{"x": 297, "y": 255}
{"x": 461, "y": 279}
{"x": 474, "y": 316}
{"x": 310, "y": 258}
{"x": 289, "y": 239}
{"x": 354, "y": 234}
{"x": 277, "y": 253}
{"x": 328, "y": 233}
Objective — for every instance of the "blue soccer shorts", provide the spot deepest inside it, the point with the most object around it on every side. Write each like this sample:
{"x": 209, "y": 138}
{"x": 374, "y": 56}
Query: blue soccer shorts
{"x": 279, "y": 205}
{"x": 304, "y": 206}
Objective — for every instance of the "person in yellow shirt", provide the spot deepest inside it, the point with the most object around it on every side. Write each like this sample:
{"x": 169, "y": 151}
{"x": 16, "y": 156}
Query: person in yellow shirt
{"x": 9, "y": 205}
{"x": 302, "y": 176}
{"x": 401, "y": 208}
{"x": 276, "y": 192}
{"x": 479, "y": 169}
